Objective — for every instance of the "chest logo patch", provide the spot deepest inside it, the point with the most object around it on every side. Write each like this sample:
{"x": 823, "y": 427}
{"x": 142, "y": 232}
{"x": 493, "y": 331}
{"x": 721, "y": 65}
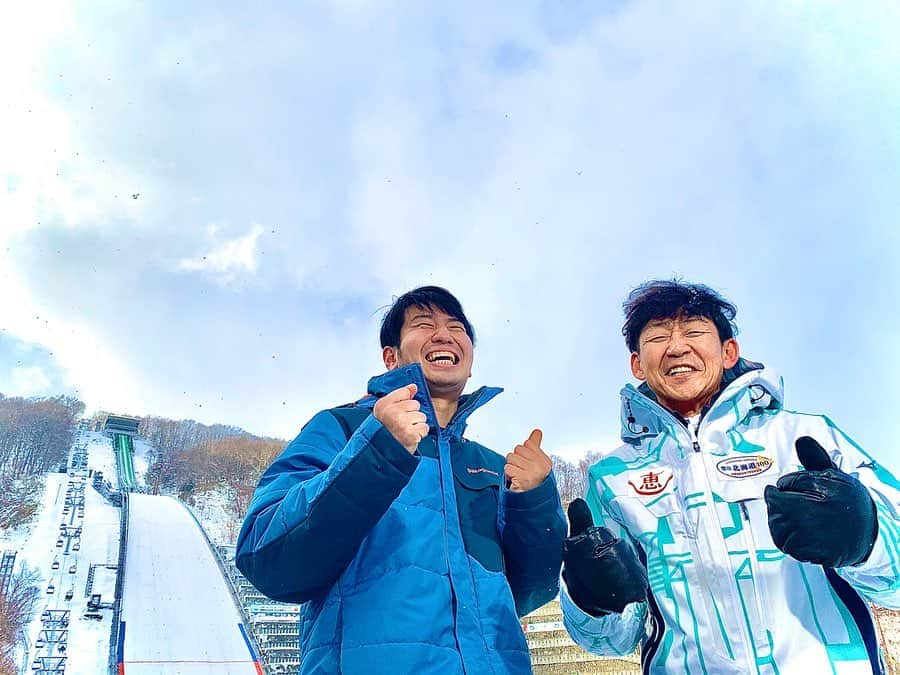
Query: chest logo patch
{"x": 481, "y": 470}
{"x": 651, "y": 482}
{"x": 744, "y": 466}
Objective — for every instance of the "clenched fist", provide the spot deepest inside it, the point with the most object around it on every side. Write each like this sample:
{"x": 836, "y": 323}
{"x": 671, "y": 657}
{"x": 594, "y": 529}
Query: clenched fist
{"x": 399, "y": 413}
{"x": 527, "y": 466}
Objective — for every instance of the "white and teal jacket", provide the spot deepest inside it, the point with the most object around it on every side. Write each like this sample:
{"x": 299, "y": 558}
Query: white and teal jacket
{"x": 723, "y": 598}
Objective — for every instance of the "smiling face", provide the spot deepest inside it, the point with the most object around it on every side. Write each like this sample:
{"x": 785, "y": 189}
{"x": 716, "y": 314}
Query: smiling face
{"x": 682, "y": 360}
{"x": 440, "y": 344}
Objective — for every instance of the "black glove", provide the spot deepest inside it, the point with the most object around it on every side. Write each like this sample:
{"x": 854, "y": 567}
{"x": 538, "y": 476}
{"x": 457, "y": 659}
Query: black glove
{"x": 821, "y": 515}
{"x": 602, "y": 572}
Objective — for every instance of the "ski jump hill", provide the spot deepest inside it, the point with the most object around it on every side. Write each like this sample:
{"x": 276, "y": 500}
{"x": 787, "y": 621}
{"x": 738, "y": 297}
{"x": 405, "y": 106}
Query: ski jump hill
{"x": 177, "y": 613}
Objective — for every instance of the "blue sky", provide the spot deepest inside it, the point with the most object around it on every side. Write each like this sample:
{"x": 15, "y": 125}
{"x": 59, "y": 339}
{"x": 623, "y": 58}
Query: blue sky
{"x": 204, "y": 210}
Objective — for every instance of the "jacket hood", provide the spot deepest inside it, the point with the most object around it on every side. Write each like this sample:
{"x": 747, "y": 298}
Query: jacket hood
{"x": 746, "y": 387}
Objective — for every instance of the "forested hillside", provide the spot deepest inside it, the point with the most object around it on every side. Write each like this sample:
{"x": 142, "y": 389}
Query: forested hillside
{"x": 35, "y": 436}
{"x": 212, "y": 467}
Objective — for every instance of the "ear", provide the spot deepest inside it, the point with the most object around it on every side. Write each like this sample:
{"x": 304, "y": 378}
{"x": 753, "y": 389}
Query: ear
{"x": 636, "y": 369}
{"x": 391, "y": 357}
{"x": 730, "y": 353}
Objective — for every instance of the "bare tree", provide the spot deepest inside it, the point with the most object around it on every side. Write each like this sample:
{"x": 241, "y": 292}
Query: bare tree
{"x": 17, "y": 606}
{"x": 569, "y": 480}
{"x": 585, "y": 464}
{"x": 36, "y": 433}
{"x": 170, "y": 440}
{"x": 7, "y": 665}
{"x": 233, "y": 465}
{"x": 19, "y": 499}
{"x": 192, "y": 459}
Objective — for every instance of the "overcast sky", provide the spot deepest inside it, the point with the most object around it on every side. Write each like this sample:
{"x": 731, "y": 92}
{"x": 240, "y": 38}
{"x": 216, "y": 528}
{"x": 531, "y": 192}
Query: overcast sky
{"x": 205, "y": 210}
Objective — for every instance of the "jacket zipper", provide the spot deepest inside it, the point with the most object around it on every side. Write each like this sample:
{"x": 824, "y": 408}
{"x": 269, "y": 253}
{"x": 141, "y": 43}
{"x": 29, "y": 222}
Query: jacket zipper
{"x": 419, "y": 381}
{"x": 716, "y": 539}
{"x": 445, "y": 470}
{"x": 707, "y": 491}
{"x": 761, "y": 638}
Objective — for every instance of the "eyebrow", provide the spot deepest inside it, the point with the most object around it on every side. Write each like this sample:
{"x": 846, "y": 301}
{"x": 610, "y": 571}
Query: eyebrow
{"x": 431, "y": 317}
{"x": 667, "y": 323}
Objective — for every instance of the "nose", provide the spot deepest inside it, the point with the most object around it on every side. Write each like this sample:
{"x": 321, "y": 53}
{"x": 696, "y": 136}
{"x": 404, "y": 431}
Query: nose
{"x": 677, "y": 345}
{"x": 441, "y": 334}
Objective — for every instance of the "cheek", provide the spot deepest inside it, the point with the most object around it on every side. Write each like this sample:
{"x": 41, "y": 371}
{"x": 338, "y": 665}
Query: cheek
{"x": 406, "y": 354}
{"x": 649, "y": 366}
{"x": 410, "y": 345}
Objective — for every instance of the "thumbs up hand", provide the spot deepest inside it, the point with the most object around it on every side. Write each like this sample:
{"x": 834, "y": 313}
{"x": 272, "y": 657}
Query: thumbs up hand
{"x": 527, "y": 465}
{"x": 821, "y": 515}
{"x": 399, "y": 413}
{"x": 602, "y": 572}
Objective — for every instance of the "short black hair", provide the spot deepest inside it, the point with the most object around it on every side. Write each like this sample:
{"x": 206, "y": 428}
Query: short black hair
{"x": 663, "y": 299}
{"x": 426, "y": 297}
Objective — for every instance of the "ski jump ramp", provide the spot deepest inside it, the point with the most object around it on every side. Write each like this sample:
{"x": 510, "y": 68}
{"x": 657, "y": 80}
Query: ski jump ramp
{"x": 178, "y": 616}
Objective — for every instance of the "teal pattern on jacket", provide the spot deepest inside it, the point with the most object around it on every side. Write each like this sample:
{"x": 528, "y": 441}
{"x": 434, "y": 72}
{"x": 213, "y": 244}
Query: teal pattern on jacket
{"x": 723, "y": 598}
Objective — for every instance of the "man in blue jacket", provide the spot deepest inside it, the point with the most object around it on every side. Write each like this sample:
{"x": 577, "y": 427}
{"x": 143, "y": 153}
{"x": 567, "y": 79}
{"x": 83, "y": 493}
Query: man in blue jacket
{"x": 413, "y": 549}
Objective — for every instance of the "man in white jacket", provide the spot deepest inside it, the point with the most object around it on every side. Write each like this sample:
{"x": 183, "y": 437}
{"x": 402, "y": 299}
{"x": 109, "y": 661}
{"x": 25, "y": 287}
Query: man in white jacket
{"x": 727, "y": 534}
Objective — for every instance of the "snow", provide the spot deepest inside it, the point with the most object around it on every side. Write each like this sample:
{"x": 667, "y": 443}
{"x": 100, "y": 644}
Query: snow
{"x": 87, "y": 646}
{"x": 214, "y": 513}
{"x": 169, "y": 562}
{"x": 101, "y": 456}
{"x": 143, "y": 452}
{"x": 178, "y": 612}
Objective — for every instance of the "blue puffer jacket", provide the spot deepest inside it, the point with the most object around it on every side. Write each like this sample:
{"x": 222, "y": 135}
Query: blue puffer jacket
{"x": 406, "y": 563}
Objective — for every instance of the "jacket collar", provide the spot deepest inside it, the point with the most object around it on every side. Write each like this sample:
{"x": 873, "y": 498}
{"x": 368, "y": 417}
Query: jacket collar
{"x": 747, "y": 387}
{"x": 412, "y": 374}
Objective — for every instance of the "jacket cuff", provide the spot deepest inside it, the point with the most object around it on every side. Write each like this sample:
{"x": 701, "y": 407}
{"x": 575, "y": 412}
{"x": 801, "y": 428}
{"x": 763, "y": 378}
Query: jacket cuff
{"x": 608, "y": 635}
{"x": 535, "y": 498}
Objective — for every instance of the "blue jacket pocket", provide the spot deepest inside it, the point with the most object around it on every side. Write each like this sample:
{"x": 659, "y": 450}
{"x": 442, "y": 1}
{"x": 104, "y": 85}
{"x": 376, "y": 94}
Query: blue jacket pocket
{"x": 478, "y": 499}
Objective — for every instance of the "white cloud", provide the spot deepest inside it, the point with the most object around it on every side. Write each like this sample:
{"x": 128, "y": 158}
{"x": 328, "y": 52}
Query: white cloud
{"x": 227, "y": 258}
{"x": 48, "y": 171}
{"x": 642, "y": 144}
{"x": 28, "y": 381}
{"x": 90, "y": 364}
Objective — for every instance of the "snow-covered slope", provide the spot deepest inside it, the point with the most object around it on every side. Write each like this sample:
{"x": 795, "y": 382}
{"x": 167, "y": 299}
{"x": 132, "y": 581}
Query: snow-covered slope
{"x": 74, "y": 529}
{"x": 178, "y": 613}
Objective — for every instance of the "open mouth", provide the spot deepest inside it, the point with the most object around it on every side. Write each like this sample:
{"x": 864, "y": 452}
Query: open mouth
{"x": 680, "y": 370}
{"x": 442, "y": 358}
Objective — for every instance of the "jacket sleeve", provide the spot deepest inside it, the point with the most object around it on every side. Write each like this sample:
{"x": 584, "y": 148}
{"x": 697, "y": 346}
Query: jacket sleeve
{"x": 315, "y": 505}
{"x": 611, "y": 634}
{"x": 878, "y": 577}
{"x": 532, "y": 529}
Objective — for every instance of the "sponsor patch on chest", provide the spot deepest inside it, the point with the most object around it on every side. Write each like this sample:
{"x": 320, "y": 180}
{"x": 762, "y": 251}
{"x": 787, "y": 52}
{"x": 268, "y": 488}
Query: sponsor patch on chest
{"x": 481, "y": 469}
{"x": 650, "y": 483}
{"x": 744, "y": 466}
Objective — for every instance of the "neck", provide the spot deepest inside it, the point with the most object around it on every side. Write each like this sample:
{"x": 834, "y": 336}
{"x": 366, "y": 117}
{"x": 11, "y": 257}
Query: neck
{"x": 444, "y": 409}
{"x": 688, "y": 412}
{"x": 687, "y": 408}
